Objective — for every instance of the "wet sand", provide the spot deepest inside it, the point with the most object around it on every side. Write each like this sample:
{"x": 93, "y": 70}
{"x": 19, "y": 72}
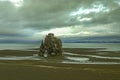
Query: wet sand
{"x": 41, "y": 70}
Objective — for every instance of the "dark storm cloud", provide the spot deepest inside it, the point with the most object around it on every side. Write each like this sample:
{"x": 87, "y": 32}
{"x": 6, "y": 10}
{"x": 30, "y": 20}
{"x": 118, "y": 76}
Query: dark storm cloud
{"x": 32, "y": 19}
{"x": 12, "y": 35}
{"x": 55, "y": 13}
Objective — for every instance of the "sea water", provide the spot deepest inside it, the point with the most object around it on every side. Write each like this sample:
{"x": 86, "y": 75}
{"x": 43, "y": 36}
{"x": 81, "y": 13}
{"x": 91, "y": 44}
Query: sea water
{"x": 108, "y": 46}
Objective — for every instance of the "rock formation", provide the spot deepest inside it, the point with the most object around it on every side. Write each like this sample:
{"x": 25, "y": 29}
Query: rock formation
{"x": 50, "y": 46}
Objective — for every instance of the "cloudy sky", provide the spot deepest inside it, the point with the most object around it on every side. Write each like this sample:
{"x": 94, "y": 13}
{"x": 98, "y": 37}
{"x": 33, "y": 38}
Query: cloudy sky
{"x": 30, "y": 20}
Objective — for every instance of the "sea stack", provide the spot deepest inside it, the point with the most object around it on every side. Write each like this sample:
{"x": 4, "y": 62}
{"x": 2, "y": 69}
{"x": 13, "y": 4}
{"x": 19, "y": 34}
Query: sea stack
{"x": 51, "y": 46}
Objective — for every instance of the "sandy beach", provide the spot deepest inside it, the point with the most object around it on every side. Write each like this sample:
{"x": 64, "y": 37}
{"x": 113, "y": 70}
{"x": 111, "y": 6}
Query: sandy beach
{"x": 49, "y": 69}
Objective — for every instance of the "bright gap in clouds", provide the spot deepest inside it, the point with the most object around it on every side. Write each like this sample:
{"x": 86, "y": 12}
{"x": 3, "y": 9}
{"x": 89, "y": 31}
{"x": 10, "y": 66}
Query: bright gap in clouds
{"x": 83, "y": 19}
{"x": 16, "y": 3}
{"x": 75, "y": 31}
{"x": 117, "y": 1}
{"x": 78, "y": 31}
{"x": 96, "y": 8}
{"x": 58, "y": 31}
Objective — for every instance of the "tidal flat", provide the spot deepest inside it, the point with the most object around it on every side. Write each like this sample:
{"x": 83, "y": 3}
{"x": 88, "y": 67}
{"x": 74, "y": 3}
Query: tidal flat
{"x": 75, "y": 64}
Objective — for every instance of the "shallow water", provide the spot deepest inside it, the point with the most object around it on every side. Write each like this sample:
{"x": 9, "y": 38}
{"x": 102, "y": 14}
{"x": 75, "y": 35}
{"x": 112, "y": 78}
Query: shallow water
{"x": 34, "y": 57}
{"x": 107, "y": 46}
{"x": 68, "y": 58}
{"x": 102, "y": 57}
{"x": 80, "y": 59}
{"x": 72, "y": 62}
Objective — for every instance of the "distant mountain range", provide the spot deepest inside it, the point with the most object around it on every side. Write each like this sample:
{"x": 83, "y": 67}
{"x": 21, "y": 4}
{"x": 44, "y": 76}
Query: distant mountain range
{"x": 103, "y": 39}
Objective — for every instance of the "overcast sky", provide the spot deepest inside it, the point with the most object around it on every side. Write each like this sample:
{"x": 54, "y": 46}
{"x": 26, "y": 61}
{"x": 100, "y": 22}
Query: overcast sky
{"x": 31, "y": 20}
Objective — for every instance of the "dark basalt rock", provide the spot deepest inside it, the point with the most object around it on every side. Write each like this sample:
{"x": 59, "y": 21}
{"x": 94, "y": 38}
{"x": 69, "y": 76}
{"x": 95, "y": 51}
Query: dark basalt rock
{"x": 50, "y": 46}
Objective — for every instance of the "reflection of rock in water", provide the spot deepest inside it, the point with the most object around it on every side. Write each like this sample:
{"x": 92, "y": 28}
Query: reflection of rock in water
{"x": 50, "y": 46}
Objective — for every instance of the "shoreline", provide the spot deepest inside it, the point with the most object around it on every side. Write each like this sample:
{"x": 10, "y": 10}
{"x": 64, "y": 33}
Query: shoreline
{"x": 94, "y": 54}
